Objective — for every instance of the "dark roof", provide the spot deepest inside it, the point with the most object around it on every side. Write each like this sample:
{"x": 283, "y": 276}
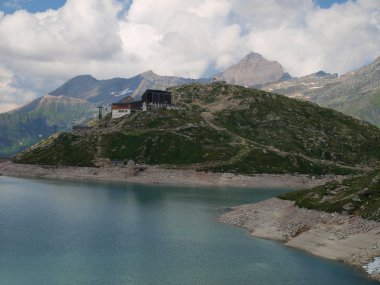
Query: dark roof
{"x": 156, "y": 90}
{"x": 131, "y": 104}
{"x": 127, "y": 99}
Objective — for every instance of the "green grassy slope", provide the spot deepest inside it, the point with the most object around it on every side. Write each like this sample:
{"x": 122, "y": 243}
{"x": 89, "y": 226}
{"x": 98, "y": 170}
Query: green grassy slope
{"x": 359, "y": 195}
{"x": 221, "y": 127}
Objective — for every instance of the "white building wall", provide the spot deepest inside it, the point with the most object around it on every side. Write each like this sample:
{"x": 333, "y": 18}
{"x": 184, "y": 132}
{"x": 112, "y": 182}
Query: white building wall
{"x": 120, "y": 113}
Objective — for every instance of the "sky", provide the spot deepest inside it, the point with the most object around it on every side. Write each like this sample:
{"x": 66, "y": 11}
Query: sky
{"x": 44, "y": 43}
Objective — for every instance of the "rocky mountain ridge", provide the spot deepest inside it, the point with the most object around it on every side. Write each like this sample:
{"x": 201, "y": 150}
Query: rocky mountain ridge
{"x": 105, "y": 92}
{"x": 356, "y": 93}
{"x": 303, "y": 87}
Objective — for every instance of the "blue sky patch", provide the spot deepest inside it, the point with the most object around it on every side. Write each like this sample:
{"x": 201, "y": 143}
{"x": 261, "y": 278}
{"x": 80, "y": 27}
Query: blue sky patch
{"x": 325, "y": 4}
{"x": 10, "y": 6}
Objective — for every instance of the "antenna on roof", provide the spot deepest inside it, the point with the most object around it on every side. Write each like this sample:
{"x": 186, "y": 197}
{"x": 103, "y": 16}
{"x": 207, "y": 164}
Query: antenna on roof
{"x": 100, "y": 112}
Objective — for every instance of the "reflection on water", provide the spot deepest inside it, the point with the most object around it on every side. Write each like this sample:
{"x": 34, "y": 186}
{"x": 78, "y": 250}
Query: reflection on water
{"x": 88, "y": 233}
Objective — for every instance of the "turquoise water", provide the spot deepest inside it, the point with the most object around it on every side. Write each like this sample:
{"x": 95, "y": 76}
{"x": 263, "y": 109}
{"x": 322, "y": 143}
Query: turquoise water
{"x": 83, "y": 233}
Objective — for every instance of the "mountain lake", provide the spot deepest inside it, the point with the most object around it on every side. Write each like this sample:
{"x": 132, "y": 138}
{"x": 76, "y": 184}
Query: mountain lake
{"x": 60, "y": 232}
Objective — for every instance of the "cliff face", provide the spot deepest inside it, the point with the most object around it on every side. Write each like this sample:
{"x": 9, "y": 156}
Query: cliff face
{"x": 221, "y": 127}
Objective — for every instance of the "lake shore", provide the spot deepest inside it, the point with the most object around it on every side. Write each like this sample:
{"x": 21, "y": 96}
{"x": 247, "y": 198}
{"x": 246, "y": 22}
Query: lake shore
{"x": 350, "y": 239}
{"x": 158, "y": 175}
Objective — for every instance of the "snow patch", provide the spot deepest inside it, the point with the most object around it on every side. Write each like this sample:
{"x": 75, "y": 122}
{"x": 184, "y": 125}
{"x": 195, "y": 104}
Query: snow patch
{"x": 125, "y": 92}
{"x": 373, "y": 267}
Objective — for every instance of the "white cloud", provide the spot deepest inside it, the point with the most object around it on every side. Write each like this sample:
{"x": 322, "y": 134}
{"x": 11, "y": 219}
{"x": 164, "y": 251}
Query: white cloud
{"x": 179, "y": 37}
{"x": 211, "y": 9}
{"x": 12, "y": 97}
{"x": 339, "y": 39}
{"x": 185, "y": 38}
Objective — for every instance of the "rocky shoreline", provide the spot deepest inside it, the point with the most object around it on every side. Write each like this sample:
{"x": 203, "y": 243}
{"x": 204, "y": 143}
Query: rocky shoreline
{"x": 157, "y": 175}
{"x": 350, "y": 239}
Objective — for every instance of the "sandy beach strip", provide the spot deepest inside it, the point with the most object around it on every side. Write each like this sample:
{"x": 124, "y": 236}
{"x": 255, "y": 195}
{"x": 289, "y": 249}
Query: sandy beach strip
{"x": 157, "y": 175}
{"x": 350, "y": 239}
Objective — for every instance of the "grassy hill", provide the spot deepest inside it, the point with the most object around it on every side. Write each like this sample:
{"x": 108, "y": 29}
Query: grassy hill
{"x": 221, "y": 127}
{"x": 359, "y": 195}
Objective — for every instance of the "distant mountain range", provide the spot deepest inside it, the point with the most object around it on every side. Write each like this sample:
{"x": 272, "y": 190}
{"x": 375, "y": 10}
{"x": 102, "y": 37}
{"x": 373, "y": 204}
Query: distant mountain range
{"x": 356, "y": 93}
{"x": 105, "y": 92}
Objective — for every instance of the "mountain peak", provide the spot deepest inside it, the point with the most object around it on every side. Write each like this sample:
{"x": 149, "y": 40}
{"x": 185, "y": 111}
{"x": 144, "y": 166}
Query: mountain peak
{"x": 148, "y": 73}
{"x": 75, "y": 86}
{"x": 253, "y": 56}
{"x": 83, "y": 76}
{"x": 253, "y": 69}
{"x": 321, "y": 73}
{"x": 84, "y": 79}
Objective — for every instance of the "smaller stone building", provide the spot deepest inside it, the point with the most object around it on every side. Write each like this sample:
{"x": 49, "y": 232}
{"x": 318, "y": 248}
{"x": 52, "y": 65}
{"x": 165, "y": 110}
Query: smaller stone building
{"x": 127, "y": 106}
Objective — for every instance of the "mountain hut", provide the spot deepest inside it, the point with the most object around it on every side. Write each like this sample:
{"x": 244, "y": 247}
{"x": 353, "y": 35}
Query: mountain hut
{"x": 127, "y": 106}
{"x": 154, "y": 99}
